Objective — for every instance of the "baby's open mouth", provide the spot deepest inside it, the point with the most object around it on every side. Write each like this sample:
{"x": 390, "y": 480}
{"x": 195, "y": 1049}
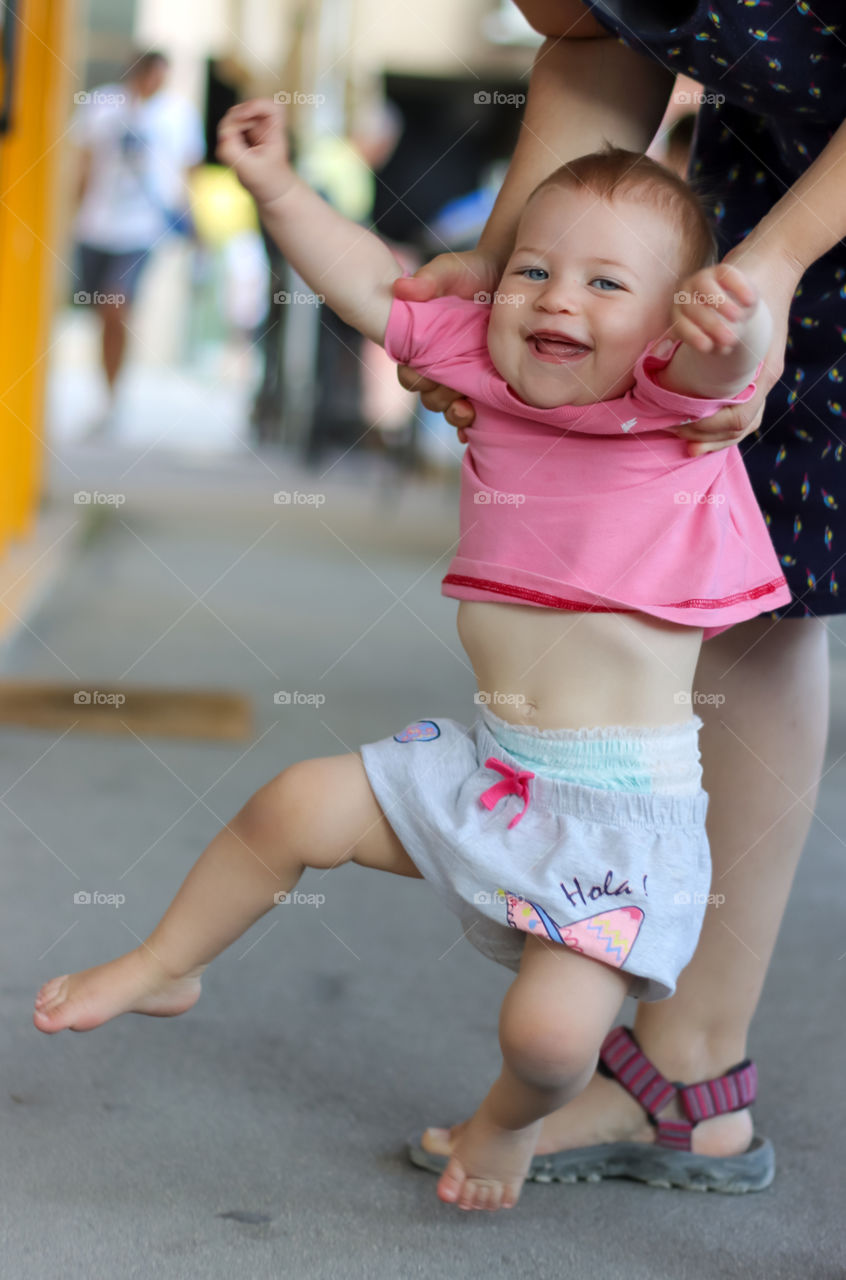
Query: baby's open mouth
{"x": 555, "y": 349}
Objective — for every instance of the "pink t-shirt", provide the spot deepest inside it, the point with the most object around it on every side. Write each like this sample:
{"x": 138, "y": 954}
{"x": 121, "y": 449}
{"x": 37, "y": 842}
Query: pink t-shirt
{"x": 593, "y": 507}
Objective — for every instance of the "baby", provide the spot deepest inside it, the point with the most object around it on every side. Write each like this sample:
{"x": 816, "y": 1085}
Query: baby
{"x": 567, "y": 826}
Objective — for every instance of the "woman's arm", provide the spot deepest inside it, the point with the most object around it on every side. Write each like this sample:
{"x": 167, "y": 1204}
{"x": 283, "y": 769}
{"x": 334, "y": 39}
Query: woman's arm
{"x": 809, "y": 219}
{"x": 582, "y": 90}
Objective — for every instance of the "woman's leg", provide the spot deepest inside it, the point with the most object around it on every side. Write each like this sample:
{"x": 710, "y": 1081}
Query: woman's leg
{"x": 553, "y": 1020}
{"x": 762, "y": 755}
{"x": 319, "y": 813}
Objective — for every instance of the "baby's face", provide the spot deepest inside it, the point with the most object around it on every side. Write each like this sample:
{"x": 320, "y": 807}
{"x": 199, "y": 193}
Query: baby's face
{"x": 556, "y": 286}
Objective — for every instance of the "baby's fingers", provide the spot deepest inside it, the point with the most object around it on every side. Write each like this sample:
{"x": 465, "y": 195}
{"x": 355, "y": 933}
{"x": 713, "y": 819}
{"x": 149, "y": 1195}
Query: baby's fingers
{"x": 706, "y": 332}
{"x": 230, "y": 143}
{"x": 255, "y": 109}
{"x": 737, "y": 284}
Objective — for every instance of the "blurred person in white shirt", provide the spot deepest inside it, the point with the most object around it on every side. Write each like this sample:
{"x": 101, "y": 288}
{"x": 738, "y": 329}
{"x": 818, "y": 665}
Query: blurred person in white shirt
{"x": 137, "y": 141}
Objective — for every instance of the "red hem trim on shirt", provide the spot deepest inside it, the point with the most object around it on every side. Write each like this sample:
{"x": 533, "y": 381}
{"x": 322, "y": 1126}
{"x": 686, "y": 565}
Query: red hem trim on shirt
{"x": 558, "y": 602}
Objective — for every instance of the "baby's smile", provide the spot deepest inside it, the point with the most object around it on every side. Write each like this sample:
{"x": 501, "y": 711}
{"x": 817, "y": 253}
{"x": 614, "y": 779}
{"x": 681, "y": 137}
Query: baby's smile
{"x": 556, "y": 347}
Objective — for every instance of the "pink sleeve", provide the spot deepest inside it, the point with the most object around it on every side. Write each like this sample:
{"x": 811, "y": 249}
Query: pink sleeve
{"x": 646, "y": 391}
{"x": 445, "y": 338}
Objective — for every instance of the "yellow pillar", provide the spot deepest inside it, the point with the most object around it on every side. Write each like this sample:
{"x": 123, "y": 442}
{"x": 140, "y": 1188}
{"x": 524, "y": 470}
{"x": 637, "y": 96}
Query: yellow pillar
{"x": 30, "y": 152}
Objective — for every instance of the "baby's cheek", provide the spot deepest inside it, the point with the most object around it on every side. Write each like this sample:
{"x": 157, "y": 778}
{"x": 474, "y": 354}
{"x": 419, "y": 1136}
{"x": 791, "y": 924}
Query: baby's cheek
{"x": 499, "y": 343}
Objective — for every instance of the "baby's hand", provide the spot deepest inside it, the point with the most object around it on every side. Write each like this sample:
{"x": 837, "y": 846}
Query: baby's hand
{"x": 712, "y": 308}
{"x": 251, "y": 139}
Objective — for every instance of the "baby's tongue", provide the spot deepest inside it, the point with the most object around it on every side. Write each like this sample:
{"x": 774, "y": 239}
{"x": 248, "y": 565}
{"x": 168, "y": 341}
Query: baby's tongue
{"x": 558, "y": 346}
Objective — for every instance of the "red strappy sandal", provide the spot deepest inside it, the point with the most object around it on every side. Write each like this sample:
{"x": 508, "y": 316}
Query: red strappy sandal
{"x": 669, "y": 1162}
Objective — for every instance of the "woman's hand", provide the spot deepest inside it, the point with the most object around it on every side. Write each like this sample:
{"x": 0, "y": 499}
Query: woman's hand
{"x": 465, "y": 275}
{"x": 251, "y": 140}
{"x": 775, "y": 277}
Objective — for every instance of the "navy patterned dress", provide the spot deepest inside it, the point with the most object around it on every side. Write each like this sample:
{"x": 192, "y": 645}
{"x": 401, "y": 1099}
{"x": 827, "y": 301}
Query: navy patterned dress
{"x": 781, "y": 68}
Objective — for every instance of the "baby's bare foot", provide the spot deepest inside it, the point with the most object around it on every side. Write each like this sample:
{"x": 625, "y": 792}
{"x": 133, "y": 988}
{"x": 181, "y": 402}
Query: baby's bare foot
{"x": 488, "y": 1164}
{"x": 134, "y": 983}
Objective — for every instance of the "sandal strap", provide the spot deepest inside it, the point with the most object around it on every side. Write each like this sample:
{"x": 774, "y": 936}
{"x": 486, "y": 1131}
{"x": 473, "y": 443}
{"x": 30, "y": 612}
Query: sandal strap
{"x": 731, "y": 1092}
{"x": 622, "y": 1057}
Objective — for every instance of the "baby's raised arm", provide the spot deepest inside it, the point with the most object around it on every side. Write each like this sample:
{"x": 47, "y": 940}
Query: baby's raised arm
{"x": 352, "y": 268}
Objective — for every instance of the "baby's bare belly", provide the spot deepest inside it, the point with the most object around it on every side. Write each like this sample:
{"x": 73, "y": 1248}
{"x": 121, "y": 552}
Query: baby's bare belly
{"x": 560, "y": 670}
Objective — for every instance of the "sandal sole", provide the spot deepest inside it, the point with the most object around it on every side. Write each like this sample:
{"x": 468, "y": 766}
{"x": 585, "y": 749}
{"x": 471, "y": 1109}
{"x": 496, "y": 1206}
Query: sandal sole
{"x": 754, "y": 1170}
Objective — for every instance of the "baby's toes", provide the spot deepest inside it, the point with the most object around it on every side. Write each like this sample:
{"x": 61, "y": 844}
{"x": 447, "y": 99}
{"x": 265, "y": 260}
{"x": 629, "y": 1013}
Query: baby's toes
{"x": 469, "y": 1194}
{"x": 480, "y": 1193}
{"x": 486, "y": 1195}
{"x": 455, "y": 1187}
{"x": 47, "y": 989}
{"x": 510, "y": 1194}
{"x": 451, "y": 1182}
{"x": 53, "y": 992}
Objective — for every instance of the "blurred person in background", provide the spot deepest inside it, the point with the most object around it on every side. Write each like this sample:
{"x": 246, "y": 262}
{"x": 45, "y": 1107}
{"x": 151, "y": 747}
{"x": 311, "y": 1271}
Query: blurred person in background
{"x": 357, "y": 384}
{"x": 136, "y": 141}
{"x": 386, "y": 406}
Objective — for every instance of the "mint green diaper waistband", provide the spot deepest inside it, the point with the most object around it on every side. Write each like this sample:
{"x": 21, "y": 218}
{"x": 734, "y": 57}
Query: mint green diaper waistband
{"x": 662, "y": 759}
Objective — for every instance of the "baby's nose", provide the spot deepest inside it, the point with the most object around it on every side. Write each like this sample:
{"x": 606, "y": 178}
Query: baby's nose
{"x": 559, "y": 295}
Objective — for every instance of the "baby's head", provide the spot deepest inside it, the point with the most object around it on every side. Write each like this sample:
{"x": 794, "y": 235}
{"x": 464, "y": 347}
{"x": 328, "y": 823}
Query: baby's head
{"x": 602, "y": 245}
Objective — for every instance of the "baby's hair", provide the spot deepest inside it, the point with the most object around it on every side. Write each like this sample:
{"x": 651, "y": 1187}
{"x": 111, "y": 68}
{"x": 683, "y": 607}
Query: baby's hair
{"x": 614, "y": 171}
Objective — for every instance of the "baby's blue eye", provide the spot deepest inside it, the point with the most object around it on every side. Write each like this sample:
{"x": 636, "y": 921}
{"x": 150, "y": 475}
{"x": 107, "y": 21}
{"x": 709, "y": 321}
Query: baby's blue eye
{"x": 540, "y": 273}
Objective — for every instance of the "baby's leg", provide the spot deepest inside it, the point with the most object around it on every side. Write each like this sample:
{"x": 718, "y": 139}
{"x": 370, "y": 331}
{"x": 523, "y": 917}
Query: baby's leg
{"x": 319, "y": 813}
{"x": 553, "y": 1020}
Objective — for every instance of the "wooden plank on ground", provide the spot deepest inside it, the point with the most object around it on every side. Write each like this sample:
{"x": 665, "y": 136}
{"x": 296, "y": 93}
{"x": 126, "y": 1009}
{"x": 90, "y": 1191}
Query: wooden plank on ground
{"x": 170, "y": 713}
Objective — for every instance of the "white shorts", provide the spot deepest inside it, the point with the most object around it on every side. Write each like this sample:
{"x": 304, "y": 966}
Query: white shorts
{"x": 619, "y": 876}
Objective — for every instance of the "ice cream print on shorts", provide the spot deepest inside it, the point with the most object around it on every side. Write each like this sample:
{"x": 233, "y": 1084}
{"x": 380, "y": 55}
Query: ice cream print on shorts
{"x": 419, "y": 731}
{"x": 608, "y": 937}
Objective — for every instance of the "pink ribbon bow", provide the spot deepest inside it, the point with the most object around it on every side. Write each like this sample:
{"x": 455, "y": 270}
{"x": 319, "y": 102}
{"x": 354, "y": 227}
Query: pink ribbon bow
{"x": 514, "y": 782}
